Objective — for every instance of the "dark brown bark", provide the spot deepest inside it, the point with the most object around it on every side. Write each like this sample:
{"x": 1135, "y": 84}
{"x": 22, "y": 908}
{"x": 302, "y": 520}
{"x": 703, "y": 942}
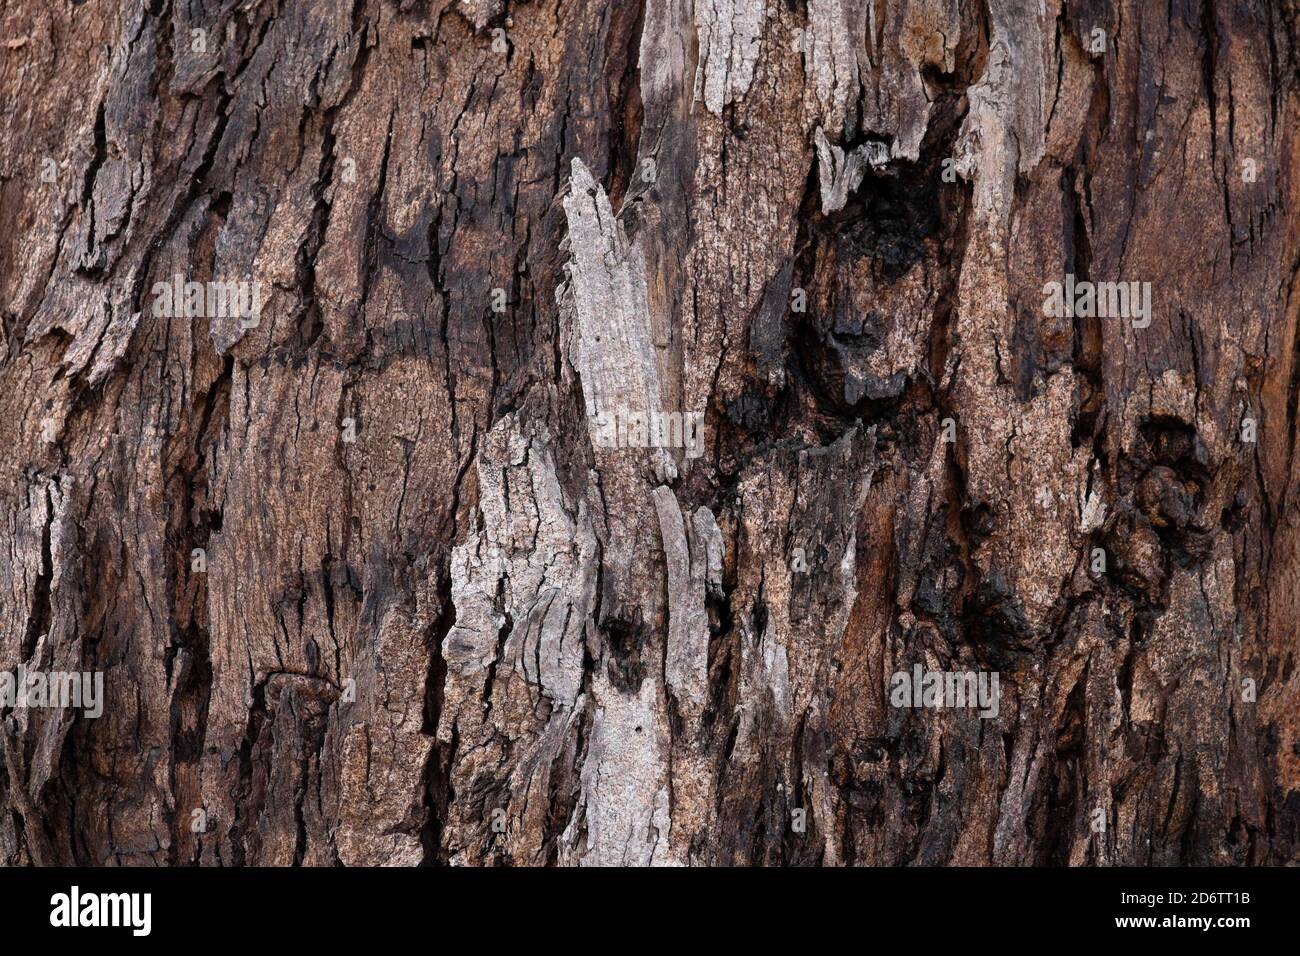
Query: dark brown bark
{"x": 439, "y": 621}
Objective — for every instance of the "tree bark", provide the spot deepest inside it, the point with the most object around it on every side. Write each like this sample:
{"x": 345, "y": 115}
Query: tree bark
{"x": 367, "y": 581}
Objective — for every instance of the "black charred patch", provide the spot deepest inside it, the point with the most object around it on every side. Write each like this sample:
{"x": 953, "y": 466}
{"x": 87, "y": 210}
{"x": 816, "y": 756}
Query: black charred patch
{"x": 942, "y": 572}
{"x": 1233, "y": 518}
{"x": 978, "y": 523}
{"x": 901, "y": 204}
{"x": 889, "y": 218}
{"x": 751, "y": 411}
{"x": 625, "y": 667}
{"x": 995, "y": 623}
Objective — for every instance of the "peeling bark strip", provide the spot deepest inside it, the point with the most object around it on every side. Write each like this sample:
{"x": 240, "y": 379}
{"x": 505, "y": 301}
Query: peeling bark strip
{"x": 729, "y": 33}
{"x": 367, "y": 585}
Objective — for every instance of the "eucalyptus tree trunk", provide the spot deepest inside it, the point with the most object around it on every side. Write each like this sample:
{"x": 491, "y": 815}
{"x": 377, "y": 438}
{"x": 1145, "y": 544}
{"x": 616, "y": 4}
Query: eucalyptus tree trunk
{"x": 593, "y": 432}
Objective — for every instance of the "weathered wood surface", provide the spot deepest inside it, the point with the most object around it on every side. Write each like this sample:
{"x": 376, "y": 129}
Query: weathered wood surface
{"x": 440, "y": 622}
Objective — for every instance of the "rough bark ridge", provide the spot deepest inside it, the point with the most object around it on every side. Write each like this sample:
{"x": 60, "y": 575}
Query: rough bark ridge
{"x": 442, "y": 621}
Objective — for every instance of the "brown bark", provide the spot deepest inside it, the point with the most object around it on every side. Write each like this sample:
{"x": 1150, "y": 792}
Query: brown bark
{"x": 440, "y": 621}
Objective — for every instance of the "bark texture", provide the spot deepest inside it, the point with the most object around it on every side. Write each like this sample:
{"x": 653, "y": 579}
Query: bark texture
{"x": 440, "y": 622}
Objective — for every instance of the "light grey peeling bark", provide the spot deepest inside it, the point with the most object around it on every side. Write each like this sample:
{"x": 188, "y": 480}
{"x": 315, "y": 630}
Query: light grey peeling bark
{"x": 438, "y": 618}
